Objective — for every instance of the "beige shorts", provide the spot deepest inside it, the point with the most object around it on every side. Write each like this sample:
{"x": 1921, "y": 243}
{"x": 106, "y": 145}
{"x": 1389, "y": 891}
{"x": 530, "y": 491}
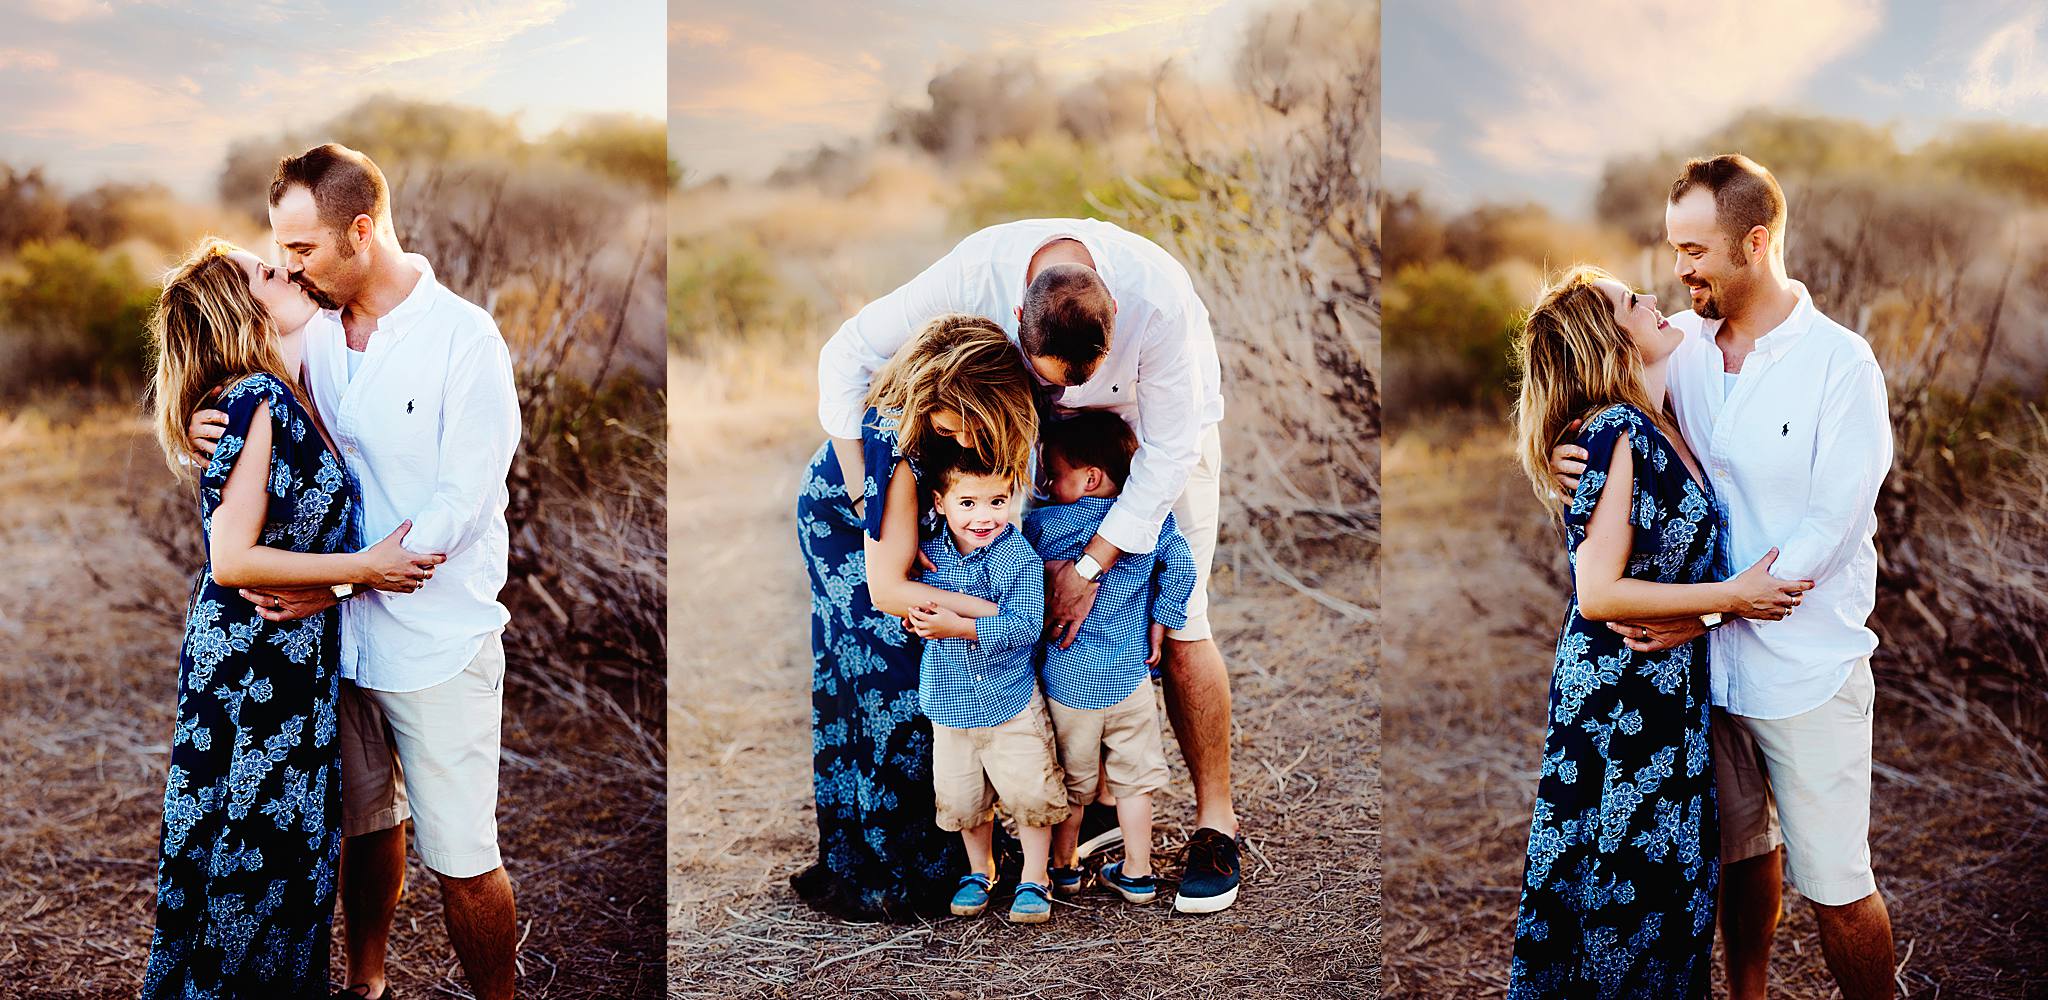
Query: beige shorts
{"x": 1803, "y": 782}
{"x": 1196, "y": 512}
{"x": 1015, "y": 761}
{"x": 1118, "y": 746}
{"x": 431, "y": 755}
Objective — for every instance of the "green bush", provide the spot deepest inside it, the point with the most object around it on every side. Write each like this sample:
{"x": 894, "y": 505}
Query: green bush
{"x": 726, "y": 292}
{"x": 72, "y": 313}
{"x": 1452, "y": 330}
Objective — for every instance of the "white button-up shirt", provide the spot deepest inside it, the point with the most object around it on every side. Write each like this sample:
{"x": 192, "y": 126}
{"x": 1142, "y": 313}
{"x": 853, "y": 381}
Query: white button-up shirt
{"x": 1796, "y": 451}
{"x": 1161, "y": 373}
{"x": 427, "y": 427}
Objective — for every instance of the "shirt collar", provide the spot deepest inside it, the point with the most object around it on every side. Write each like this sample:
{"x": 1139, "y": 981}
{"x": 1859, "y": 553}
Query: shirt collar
{"x": 417, "y": 302}
{"x": 1782, "y": 336}
{"x": 948, "y": 545}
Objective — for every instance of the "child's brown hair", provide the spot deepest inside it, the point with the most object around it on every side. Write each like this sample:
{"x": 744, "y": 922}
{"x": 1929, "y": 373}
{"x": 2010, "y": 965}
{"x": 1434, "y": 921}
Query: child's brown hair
{"x": 1096, "y": 438}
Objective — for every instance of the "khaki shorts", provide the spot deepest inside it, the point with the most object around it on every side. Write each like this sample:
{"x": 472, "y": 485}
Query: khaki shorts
{"x": 1118, "y": 746}
{"x": 431, "y": 755}
{"x": 1196, "y": 512}
{"x": 1015, "y": 761}
{"x": 1803, "y": 782}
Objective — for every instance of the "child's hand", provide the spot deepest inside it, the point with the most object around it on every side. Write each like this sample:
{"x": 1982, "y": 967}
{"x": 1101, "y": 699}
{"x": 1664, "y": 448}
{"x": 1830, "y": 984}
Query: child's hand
{"x": 1156, "y": 634}
{"x": 930, "y": 621}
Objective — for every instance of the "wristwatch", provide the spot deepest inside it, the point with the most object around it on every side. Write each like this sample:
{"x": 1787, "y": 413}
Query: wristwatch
{"x": 343, "y": 591}
{"x": 1087, "y": 567}
{"x": 1712, "y": 620}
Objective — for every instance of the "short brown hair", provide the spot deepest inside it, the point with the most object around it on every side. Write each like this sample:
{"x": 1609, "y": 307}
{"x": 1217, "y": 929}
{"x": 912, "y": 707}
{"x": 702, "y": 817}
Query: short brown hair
{"x": 1094, "y": 438}
{"x": 961, "y": 464}
{"x": 1745, "y": 194}
{"x": 344, "y": 184}
{"x": 1068, "y": 315}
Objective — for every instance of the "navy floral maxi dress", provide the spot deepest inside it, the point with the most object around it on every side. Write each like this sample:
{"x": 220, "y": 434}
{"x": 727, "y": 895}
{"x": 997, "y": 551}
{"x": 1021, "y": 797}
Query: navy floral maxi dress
{"x": 881, "y": 854}
{"x": 1618, "y": 895}
{"x": 251, "y": 834}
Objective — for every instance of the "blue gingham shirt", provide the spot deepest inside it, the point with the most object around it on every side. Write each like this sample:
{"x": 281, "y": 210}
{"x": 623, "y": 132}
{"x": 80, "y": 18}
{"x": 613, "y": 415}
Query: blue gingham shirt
{"x": 985, "y": 681}
{"x": 1107, "y": 660}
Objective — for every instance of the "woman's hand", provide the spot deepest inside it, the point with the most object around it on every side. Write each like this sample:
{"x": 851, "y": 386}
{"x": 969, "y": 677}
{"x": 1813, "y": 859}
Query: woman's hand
{"x": 1759, "y": 595}
{"x": 389, "y": 566}
{"x": 929, "y": 621}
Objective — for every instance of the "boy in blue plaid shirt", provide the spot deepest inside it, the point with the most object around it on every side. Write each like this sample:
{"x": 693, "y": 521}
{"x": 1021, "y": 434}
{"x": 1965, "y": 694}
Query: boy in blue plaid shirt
{"x": 1098, "y": 686}
{"x": 990, "y": 734}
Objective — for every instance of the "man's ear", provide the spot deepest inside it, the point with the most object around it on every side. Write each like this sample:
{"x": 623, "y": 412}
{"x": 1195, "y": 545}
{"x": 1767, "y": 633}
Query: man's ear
{"x": 1020, "y": 314}
{"x": 362, "y": 227}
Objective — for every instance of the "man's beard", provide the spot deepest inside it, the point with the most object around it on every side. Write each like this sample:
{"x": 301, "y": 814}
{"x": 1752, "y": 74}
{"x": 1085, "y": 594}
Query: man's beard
{"x": 320, "y": 298}
{"x": 1710, "y": 307}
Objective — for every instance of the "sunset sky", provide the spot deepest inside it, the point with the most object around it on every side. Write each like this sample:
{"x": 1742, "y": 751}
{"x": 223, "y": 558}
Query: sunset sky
{"x": 136, "y": 90}
{"x": 1508, "y": 102}
{"x": 751, "y": 83}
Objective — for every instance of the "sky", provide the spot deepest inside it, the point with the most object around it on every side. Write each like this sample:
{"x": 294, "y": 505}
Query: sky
{"x": 1494, "y": 101}
{"x": 752, "y": 83}
{"x": 155, "y": 90}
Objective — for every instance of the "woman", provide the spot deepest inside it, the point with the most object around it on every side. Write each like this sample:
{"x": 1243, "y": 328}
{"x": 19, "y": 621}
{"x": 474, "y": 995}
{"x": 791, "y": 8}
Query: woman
{"x": 1618, "y": 894}
{"x": 959, "y": 384}
{"x": 245, "y": 880}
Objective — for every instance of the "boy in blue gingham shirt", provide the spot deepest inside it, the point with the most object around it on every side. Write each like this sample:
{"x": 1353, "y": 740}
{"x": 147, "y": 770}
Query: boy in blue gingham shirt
{"x": 1098, "y": 686}
{"x": 990, "y": 734}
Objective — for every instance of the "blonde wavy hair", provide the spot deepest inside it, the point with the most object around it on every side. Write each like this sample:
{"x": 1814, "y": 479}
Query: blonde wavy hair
{"x": 206, "y": 332}
{"x": 1575, "y": 360}
{"x": 964, "y": 364}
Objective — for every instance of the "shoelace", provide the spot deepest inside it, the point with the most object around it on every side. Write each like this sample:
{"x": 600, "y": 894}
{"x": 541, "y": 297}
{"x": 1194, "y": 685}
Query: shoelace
{"x": 1206, "y": 854}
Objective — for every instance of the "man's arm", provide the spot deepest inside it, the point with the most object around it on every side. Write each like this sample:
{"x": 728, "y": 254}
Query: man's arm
{"x": 867, "y": 340}
{"x": 1852, "y": 454}
{"x": 1169, "y": 439}
{"x": 479, "y": 432}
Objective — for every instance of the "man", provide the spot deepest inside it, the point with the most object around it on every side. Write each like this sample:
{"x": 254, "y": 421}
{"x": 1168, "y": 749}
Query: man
{"x": 1104, "y": 318}
{"x": 415, "y": 385}
{"x": 1786, "y": 409}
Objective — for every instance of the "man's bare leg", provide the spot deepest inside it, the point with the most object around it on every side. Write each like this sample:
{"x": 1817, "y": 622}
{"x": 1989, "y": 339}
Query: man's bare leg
{"x": 1752, "y": 900}
{"x": 1857, "y": 941}
{"x": 372, "y": 877}
{"x": 484, "y": 929}
{"x": 1198, "y": 705}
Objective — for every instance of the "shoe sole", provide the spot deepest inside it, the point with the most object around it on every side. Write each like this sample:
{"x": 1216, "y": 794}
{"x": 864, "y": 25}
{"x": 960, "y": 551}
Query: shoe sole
{"x": 969, "y": 911}
{"x": 1131, "y": 896}
{"x": 1205, "y": 904}
{"x": 1030, "y": 918}
{"x": 1066, "y": 891}
{"x": 1112, "y": 837}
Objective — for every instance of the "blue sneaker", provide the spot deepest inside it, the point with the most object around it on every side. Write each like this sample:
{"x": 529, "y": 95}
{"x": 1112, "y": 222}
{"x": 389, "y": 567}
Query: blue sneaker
{"x": 1066, "y": 881}
{"x": 1033, "y": 904}
{"x": 1133, "y": 888}
{"x": 1208, "y": 883}
{"x": 972, "y": 897}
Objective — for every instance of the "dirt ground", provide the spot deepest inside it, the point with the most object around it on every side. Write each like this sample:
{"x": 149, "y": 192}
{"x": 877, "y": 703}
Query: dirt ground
{"x": 740, "y": 820}
{"x": 90, "y": 620}
{"x": 1475, "y": 593}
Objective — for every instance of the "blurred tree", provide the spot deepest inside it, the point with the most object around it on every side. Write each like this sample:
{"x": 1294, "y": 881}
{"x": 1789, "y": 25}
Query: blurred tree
{"x": 628, "y": 147}
{"x": 30, "y": 207}
{"x": 1450, "y": 345}
{"x": 2000, "y": 156}
{"x": 1414, "y": 232}
{"x": 72, "y": 313}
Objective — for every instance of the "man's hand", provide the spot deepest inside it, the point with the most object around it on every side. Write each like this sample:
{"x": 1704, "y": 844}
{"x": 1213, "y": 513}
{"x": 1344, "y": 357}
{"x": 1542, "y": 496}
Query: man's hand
{"x": 1568, "y": 462}
{"x": 1156, "y": 635}
{"x": 204, "y": 434}
{"x": 1657, "y": 636}
{"x": 285, "y": 605}
{"x": 930, "y": 621}
{"x": 1071, "y": 598}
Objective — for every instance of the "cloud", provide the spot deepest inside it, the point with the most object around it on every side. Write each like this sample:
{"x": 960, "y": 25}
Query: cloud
{"x": 2007, "y": 68}
{"x": 1621, "y": 75}
{"x": 1410, "y": 142}
{"x": 67, "y": 11}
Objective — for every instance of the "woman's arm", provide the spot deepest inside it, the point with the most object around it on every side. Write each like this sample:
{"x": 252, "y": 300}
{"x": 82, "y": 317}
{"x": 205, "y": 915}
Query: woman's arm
{"x": 238, "y": 559}
{"x": 1606, "y": 593}
{"x": 890, "y": 587}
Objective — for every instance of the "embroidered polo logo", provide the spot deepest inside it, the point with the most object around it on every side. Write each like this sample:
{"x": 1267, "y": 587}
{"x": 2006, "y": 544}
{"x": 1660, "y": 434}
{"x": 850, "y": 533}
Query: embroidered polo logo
{"x": 1784, "y": 431}
{"x": 408, "y": 406}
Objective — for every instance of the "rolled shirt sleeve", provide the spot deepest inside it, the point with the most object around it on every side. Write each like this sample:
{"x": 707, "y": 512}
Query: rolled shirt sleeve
{"x": 1169, "y": 430}
{"x": 866, "y": 341}
{"x": 1174, "y": 582}
{"x": 1852, "y": 454}
{"x": 480, "y": 432}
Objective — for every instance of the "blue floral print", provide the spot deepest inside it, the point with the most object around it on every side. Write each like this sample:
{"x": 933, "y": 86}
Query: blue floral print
{"x": 1618, "y": 892}
{"x": 881, "y": 855}
{"x": 251, "y": 833}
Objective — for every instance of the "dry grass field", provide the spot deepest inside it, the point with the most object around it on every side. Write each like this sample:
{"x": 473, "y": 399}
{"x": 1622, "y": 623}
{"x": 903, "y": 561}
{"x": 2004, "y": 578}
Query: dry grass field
{"x": 1476, "y": 591}
{"x": 91, "y": 618}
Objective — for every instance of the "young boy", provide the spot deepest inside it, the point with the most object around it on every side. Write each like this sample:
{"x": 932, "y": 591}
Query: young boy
{"x": 990, "y": 734}
{"x": 1099, "y": 688}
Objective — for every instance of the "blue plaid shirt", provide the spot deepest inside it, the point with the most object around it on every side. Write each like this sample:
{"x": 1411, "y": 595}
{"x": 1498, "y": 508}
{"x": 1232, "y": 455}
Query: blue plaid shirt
{"x": 1107, "y": 660}
{"x": 985, "y": 681}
